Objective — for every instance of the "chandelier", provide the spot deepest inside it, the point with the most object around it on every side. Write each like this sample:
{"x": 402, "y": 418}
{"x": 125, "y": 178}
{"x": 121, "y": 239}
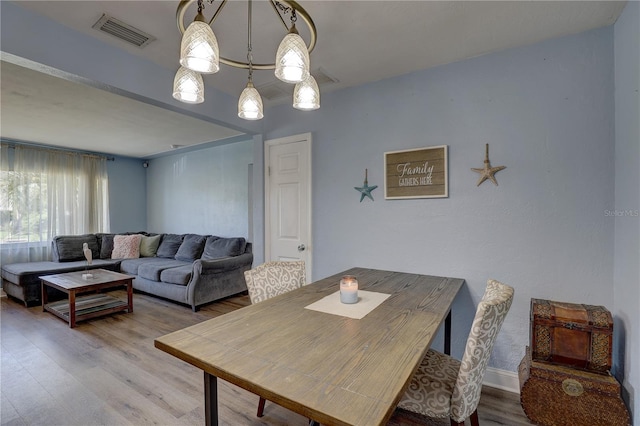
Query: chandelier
{"x": 199, "y": 54}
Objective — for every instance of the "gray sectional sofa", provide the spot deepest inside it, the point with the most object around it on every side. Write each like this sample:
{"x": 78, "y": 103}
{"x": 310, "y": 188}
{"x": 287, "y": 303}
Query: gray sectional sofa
{"x": 187, "y": 268}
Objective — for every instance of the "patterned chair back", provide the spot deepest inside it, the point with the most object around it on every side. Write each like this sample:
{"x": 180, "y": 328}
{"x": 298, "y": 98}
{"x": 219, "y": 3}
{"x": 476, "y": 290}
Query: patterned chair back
{"x": 490, "y": 315}
{"x": 274, "y": 278}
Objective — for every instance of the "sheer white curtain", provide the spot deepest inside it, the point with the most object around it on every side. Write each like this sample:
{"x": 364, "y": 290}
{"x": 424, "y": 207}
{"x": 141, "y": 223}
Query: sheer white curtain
{"x": 46, "y": 193}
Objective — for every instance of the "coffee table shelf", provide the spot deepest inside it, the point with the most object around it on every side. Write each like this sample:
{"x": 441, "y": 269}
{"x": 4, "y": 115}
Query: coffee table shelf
{"x": 88, "y": 306}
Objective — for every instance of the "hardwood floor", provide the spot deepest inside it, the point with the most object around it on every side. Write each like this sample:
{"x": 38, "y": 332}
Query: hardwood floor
{"x": 106, "y": 371}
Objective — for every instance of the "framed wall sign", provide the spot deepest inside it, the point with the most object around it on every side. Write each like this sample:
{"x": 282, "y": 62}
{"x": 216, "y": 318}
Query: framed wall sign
{"x": 416, "y": 173}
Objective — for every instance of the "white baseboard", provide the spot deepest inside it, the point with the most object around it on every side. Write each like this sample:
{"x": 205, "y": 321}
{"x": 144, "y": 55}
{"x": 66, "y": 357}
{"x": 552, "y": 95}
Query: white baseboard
{"x": 502, "y": 379}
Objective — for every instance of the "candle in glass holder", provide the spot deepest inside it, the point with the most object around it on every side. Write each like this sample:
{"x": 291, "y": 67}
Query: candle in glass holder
{"x": 349, "y": 289}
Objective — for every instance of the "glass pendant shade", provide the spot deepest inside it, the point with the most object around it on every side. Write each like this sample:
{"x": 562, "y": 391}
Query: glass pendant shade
{"x": 306, "y": 95}
{"x": 188, "y": 86}
{"x": 199, "y": 49}
{"x": 292, "y": 58}
{"x": 250, "y": 103}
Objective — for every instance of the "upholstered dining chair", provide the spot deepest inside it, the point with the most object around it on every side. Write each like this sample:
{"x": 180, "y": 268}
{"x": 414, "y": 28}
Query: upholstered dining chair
{"x": 445, "y": 387}
{"x": 272, "y": 279}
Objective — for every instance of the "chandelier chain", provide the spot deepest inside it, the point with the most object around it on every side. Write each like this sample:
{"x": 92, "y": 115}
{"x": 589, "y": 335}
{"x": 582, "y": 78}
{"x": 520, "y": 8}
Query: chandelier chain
{"x": 249, "y": 48}
{"x": 283, "y": 8}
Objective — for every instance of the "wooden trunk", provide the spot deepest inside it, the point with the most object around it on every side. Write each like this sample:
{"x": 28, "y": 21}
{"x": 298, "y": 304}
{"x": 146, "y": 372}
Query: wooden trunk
{"x": 554, "y": 395}
{"x": 571, "y": 334}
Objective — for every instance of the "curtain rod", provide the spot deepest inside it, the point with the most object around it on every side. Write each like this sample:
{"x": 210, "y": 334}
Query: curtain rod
{"x": 13, "y": 144}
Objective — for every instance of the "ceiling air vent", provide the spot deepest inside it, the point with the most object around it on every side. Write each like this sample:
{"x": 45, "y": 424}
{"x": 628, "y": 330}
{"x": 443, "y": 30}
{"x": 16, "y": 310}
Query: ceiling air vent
{"x": 123, "y": 31}
{"x": 275, "y": 90}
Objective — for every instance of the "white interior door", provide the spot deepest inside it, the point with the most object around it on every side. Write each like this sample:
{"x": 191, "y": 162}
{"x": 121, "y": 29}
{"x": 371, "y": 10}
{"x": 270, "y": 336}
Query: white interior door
{"x": 288, "y": 200}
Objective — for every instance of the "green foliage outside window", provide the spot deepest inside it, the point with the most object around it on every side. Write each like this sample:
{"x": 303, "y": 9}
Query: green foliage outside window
{"x": 23, "y": 207}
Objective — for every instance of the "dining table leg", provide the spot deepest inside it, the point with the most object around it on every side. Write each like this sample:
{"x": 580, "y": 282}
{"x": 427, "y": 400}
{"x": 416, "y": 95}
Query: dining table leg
{"x": 447, "y": 334}
{"x": 210, "y": 400}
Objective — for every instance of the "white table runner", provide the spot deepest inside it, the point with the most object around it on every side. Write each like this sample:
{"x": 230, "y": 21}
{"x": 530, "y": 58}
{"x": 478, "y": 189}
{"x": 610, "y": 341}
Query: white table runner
{"x": 367, "y": 302}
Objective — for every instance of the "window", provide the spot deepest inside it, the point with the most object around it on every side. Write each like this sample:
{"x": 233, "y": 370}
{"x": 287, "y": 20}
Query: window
{"x": 22, "y": 215}
{"x": 47, "y": 193}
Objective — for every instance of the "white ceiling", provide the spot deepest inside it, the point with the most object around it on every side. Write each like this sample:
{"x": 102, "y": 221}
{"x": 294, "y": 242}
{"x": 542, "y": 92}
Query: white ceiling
{"x": 358, "y": 42}
{"x": 38, "y": 107}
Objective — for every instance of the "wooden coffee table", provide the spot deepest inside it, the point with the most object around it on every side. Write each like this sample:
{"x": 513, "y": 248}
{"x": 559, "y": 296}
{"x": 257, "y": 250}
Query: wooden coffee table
{"x": 78, "y": 308}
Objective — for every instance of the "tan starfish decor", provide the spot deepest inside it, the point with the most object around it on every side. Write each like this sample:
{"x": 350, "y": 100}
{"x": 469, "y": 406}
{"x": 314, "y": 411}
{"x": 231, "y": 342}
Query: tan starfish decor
{"x": 488, "y": 172}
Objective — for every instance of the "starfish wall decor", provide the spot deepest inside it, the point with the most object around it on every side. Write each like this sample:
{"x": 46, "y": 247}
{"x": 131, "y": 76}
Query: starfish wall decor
{"x": 488, "y": 172}
{"x": 365, "y": 189}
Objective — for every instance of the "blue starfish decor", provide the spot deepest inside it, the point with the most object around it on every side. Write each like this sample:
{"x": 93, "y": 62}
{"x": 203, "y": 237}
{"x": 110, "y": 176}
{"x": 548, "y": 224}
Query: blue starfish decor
{"x": 365, "y": 189}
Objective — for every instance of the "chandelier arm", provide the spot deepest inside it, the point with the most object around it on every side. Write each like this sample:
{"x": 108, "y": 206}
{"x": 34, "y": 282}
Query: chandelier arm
{"x": 307, "y": 19}
{"x": 182, "y": 9}
{"x": 183, "y": 5}
{"x": 215, "y": 15}
{"x": 275, "y": 9}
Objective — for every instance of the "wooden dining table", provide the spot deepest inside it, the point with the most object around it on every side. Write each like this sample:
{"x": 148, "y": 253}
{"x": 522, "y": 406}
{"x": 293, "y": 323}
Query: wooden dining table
{"x": 330, "y": 368}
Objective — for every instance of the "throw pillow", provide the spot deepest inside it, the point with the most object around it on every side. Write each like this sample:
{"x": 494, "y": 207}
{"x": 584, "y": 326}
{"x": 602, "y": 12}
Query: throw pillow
{"x": 169, "y": 245}
{"x": 191, "y": 247}
{"x": 217, "y": 247}
{"x": 126, "y": 247}
{"x": 69, "y": 247}
{"x": 149, "y": 246}
{"x": 106, "y": 246}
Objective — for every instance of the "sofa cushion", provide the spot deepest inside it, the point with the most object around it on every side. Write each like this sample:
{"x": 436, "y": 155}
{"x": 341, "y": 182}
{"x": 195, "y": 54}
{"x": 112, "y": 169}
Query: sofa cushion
{"x": 169, "y": 245}
{"x": 191, "y": 247}
{"x": 152, "y": 270}
{"x": 69, "y": 247}
{"x": 149, "y": 245}
{"x": 126, "y": 246}
{"x": 180, "y": 275}
{"x": 106, "y": 245}
{"x": 217, "y": 247}
{"x": 130, "y": 266}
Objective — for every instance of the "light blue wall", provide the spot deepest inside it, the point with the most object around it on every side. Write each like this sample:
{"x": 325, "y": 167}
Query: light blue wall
{"x": 202, "y": 192}
{"x": 127, "y": 195}
{"x": 626, "y": 276}
{"x": 257, "y": 212}
{"x": 546, "y": 111}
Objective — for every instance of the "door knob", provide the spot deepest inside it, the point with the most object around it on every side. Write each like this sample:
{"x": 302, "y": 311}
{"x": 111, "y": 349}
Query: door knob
{"x": 301, "y": 247}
